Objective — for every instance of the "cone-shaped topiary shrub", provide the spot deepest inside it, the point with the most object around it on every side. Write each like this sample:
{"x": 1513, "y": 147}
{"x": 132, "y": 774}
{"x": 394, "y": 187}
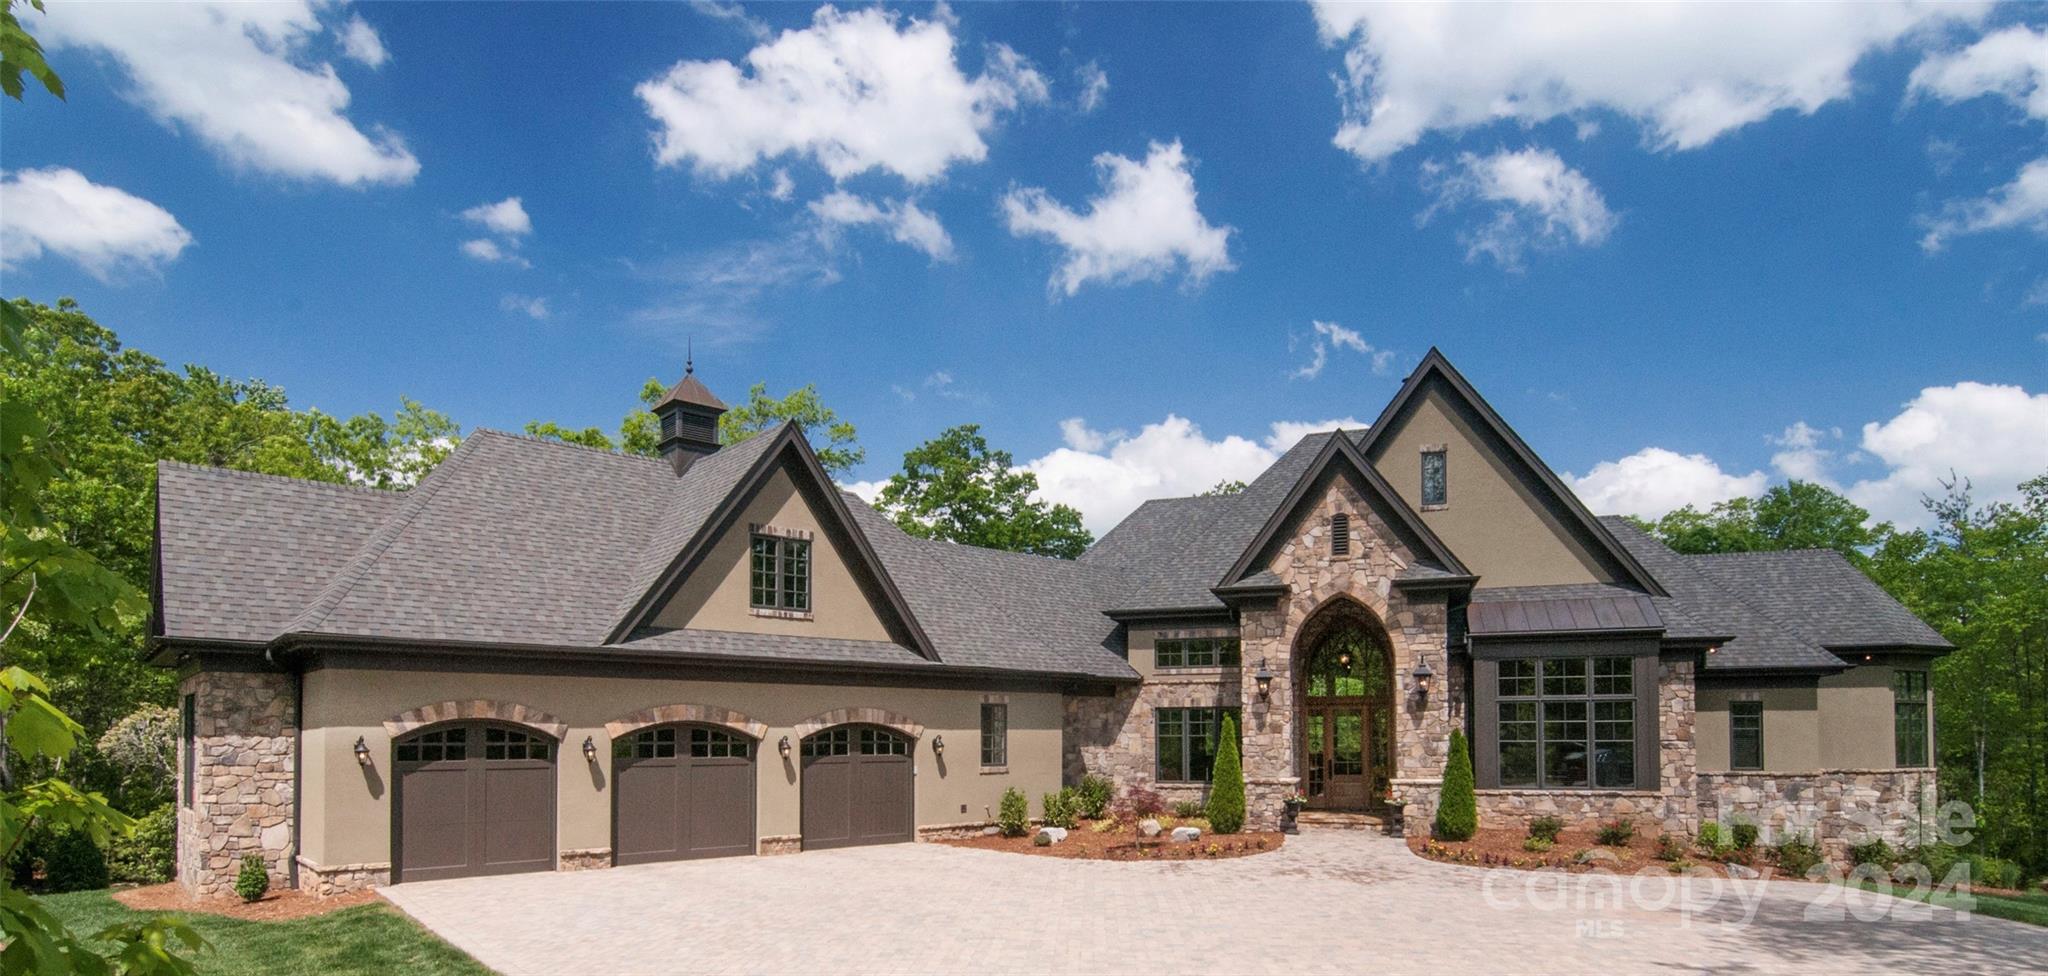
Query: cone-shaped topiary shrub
{"x": 254, "y": 879}
{"x": 1457, "y": 811}
{"x": 1226, "y": 792}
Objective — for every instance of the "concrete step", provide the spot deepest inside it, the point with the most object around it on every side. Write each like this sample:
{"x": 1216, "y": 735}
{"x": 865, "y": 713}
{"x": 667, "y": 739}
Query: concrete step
{"x": 1342, "y": 820}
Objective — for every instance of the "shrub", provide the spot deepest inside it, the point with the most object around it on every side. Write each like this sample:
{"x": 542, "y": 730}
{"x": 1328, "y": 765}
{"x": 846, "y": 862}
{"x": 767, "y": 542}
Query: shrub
{"x": 146, "y": 855}
{"x": 1190, "y": 809}
{"x": 1457, "y": 811}
{"x": 1938, "y": 858}
{"x": 1059, "y": 809}
{"x": 1013, "y": 816}
{"x": 143, "y": 748}
{"x": 69, "y": 859}
{"x": 1095, "y": 792}
{"x": 1616, "y": 833}
{"x": 254, "y": 878}
{"x": 1994, "y": 872}
{"x": 1537, "y": 845}
{"x": 1874, "y": 851}
{"x": 1545, "y": 828}
{"x": 1745, "y": 835}
{"x": 1710, "y": 836}
{"x": 1670, "y": 847}
{"x": 1226, "y": 794}
{"x": 1139, "y": 802}
{"x": 1798, "y": 855}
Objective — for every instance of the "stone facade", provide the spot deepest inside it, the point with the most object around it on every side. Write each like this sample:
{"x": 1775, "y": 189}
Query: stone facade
{"x": 780, "y": 844}
{"x": 1111, "y": 736}
{"x": 340, "y": 879}
{"x": 1836, "y": 807}
{"x": 246, "y": 732}
{"x": 590, "y": 859}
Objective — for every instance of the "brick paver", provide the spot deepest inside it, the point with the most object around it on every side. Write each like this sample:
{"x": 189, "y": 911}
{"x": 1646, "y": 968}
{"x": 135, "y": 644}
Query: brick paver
{"x": 1330, "y": 902}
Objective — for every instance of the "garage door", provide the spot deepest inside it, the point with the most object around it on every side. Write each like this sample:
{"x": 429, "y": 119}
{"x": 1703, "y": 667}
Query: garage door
{"x": 472, "y": 799}
{"x": 682, "y": 791}
{"x": 856, "y": 787}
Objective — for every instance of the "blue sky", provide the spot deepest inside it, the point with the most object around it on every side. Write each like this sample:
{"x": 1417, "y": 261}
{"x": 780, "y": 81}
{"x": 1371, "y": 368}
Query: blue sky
{"x": 1685, "y": 257}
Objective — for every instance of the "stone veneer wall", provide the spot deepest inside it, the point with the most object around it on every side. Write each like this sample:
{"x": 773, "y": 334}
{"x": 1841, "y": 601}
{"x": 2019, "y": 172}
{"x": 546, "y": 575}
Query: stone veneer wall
{"x": 1837, "y": 807}
{"x": 1111, "y": 736}
{"x": 327, "y": 881}
{"x": 245, "y": 733}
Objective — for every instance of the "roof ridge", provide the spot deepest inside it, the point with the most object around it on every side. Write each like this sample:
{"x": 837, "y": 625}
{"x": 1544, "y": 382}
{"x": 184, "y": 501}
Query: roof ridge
{"x": 163, "y": 463}
{"x": 1766, "y": 552}
{"x": 571, "y": 445}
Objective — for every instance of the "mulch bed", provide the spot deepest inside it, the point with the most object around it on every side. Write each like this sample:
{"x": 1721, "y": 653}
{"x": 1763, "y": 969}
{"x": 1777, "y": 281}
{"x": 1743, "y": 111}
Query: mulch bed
{"x": 1501, "y": 847}
{"x": 1122, "y": 843}
{"x": 274, "y": 906}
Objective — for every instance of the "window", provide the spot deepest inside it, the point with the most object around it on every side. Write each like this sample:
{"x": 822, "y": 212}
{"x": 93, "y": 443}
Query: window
{"x": 651, "y": 744}
{"x": 1909, "y": 718}
{"x": 876, "y": 742}
{"x": 781, "y": 577}
{"x": 1340, "y": 534}
{"x": 450, "y": 745}
{"x": 1187, "y": 741}
{"x": 995, "y": 734}
{"x": 510, "y": 744}
{"x": 831, "y": 742}
{"x": 1567, "y": 721}
{"x": 1746, "y": 735}
{"x": 189, "y": 722}
{"x": 717, "y": 744}
{"x": 1435, "y": 479}
{"x": 1195, "y": 652}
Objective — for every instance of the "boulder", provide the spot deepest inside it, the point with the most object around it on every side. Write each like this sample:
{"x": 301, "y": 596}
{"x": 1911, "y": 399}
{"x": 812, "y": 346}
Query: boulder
{"x": 991, "y": 831}
{"x": 1742, "y": 871}
{"x": 1148, "y": 828}
{"x": 1048, "y": 836}
{"x": 1186, "y": 835}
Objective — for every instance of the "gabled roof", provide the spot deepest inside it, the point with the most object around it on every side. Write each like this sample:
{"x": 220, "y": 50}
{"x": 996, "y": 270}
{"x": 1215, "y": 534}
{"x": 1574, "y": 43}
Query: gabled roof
{"x": 1435, "y": 366}
{"x": 690, "y": 390}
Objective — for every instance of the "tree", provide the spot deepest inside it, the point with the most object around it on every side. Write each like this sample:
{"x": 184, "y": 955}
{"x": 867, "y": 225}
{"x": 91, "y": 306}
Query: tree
{"x": 588, "y": 436}
{"x": 19, "y": 53}
{"x": 1225, "y": 487}
{"x": 953, "y": 487}
{"x": 1457, "y": 809}
{"x": 1794, "y": 515}
{"x": 839, "y": 455}
{"x": 1226, "y": 786}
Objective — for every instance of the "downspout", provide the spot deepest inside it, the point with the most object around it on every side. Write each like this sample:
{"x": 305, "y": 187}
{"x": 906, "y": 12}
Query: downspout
{"x": 298, "y": 758}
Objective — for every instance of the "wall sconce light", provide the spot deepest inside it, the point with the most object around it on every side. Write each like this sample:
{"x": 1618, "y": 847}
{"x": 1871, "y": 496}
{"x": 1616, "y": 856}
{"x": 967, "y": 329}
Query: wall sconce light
{"x": 783, "y": 747}
{"x": 1422, "y": 673}
{"x": 1264, "y": 677}
{"x": 938, "y": 745}
{"x": 589, "y": 749}
{"x": 362, "y": 750}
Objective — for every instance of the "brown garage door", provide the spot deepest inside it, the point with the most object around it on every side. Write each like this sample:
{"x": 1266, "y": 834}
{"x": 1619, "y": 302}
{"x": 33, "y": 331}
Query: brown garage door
{"x": 857, "y": 787}
{"x": 472, "y": 799}
{"x": 682, "y": 791}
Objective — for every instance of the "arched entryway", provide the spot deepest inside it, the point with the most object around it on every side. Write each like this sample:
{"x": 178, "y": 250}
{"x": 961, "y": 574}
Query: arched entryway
{"x": 1344, "y": 708}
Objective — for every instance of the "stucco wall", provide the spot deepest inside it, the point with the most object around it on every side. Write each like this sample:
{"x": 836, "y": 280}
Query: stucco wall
{"x": 1792, "y": 739}
{"x": 1856, "y": 715}
{"x": 347, "y": 808}
{"x": 715, "y": 597}
{"x": 1494, "y": 521}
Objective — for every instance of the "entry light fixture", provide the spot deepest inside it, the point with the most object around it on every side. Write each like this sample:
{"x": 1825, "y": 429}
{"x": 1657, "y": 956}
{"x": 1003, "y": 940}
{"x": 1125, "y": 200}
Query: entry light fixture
{"x": 938, "y": 745}
{"x": 1264, "y": 677}
{"x": 589, "y": 749}
{"x": 783, "y": 747}
{"x": 362, "y": 750}
{"x": 1422, "y": 673}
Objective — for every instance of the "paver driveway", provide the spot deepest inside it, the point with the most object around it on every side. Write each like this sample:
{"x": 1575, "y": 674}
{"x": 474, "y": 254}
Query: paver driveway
{"x": 1329, "y": 902}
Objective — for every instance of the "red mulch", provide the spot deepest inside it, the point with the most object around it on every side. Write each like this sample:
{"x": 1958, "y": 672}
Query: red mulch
{"x": 1122, "y": 843}
{"x": 1501, "y": 847}
{"x": 274, "y": 906}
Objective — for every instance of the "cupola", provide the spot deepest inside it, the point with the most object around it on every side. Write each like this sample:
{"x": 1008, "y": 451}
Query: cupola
{"x": 689, "y": 420}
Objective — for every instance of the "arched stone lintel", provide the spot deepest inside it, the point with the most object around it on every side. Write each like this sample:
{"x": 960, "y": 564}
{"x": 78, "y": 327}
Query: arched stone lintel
{"x": 865, "y": 716}
{"x": 699, "y": 714}
{"x": 473, "y": 709}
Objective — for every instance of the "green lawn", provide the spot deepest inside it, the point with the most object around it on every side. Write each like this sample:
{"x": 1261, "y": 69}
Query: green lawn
{"x": 367, "y": 939}
{"x": 2030, "y": 907}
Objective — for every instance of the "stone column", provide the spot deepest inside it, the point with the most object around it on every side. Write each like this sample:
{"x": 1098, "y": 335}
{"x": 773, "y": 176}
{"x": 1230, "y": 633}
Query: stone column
{"x": 246, "y": 730}
{"x": 1270, "y": 773}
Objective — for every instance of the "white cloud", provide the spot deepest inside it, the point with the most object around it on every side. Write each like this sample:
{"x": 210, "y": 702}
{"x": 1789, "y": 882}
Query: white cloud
{"x": 1329, "y": 335}
{"x": 532, "y": 306}
{"x": 906, "y": 222}
{"x": 856, "y": 91}
{"x": 715, "y": 295}
{"x": 1996, "y": 436}
{"x": 1094, "y": 87}
{"x": 734, "y": 14}
{"x": 507, "y": 217}
{"x": 867, "y": 491}
{"x": 2020, "y": 204}
{"x": 1654, "y": 481}
{"x": 2011, "y": 64}
{"x": 488, "y": 251}
{"x": 1143, "y": 225}
{"x": 780, "y": 186}
{"x": 1284, "y": 434}
{"x": 359, "y": 41}
{"x": 1538, "y": 202}
{"x": 1803, "y": 455}
{"x": 236, "y": 75}
{"x": 1688, "y": 72}
{"x": 103, "y": 229}
{"x": 1079, "y": 436}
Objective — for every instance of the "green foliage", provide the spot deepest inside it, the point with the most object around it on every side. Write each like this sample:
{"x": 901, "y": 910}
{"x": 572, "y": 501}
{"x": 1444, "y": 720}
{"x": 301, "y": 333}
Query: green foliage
{"x": 254, "y": 879}
{"x": 1095, "y": 792}
{"x": 1937, "y": 858}
{"x": 1995, "y": 872}
{"x": 838, "y": 455}
{"x": 1457, "y": 810}
{"x": 66, "y": 859}
{"x": 1874, "y": 851}
{"x": 1139, "y": 802}
{"x": 1546, "y": 828}
{"x": 1059, "y": 809}
{"x": 19, "y": 53}
{"x": 955, "y": 488}
{"x": 1710, "y": 836}
{"x": 1615, "y": 833}
{"x": 1794, "y": 515}
{"x": 1797, "y": 855}
{"x": 146, "y": 855}
{"x": 1670, "y": 847}
{"x": 365, "y": 939}
{"x": 1189, "y": 809}
{"x": 1226, "y": 788}
{"x": 1537, "y": 845}
{"x": 143, "y": 749}
{"x": 1744, "y": 832}
{"x": 1225, "y": 487}
{"x": 587, "y": 437}
{"x": 1013, "y": 815}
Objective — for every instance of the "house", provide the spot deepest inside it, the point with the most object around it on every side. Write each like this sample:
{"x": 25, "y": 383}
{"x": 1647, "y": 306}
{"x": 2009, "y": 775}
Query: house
{"x": 547, "y": 657}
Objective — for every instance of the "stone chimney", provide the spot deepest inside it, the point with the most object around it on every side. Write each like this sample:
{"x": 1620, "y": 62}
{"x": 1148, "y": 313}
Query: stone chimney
{"x": 689, "y": 420}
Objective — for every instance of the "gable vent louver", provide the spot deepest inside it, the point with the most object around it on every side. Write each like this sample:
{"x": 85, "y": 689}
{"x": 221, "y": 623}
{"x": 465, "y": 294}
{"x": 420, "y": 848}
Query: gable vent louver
{"x": 1340, "y": 535}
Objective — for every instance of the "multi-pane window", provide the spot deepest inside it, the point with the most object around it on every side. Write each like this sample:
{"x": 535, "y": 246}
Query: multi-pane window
{"x": 1568, "y": 721}
{"x": 831, "y": 742}
{"x": 995, "y": 734}
{"x": 1195, "y": 652}
{"x": 717, "y": 744}
{"x": 1746, "y": 735}
{"x": 1187, "y": 740}
{"x": 780, "y": 577}
{"x": 1909, "y": 718}
{"x": 648, "y": 744}
{"x": 189, "y": 727}
{"x": 876, "y": 742}
{"x": 450, "y": 745}
{"x": 1435, "y": 479}
{"x": 513, "y": 744}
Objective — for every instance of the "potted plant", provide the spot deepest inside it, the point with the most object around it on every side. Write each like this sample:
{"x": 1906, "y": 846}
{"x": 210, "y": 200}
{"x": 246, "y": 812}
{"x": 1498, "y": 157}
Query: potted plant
{"x": 1290, "y": 808}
